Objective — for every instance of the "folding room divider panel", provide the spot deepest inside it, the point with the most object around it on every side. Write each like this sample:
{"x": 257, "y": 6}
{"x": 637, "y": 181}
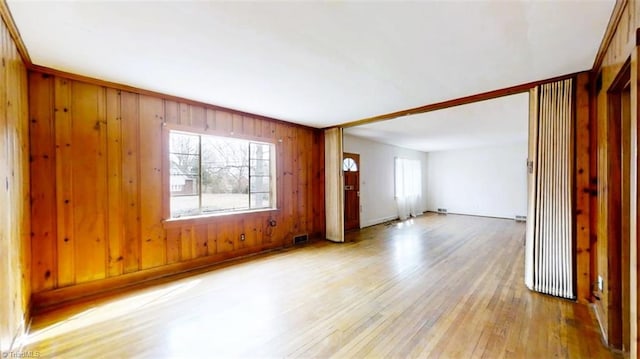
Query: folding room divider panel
{"x": 549, "y": 264}
{"x": 333, "y": 184}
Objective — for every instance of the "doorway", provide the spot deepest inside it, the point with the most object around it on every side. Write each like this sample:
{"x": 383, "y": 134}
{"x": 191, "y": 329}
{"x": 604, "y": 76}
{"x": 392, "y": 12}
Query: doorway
{"x": 351, "y": 170}
{"x": 619, "y": 211}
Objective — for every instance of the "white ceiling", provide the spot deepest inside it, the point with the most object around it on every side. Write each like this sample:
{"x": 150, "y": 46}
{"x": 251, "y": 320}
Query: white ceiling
{"x": 317, "y": 63}
{"x": 493, "y": 122}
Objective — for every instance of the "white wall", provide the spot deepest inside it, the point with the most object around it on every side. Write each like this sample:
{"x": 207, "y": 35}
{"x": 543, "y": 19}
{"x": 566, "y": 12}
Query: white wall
{"x": 488, "y": 181}
{"x": 377, "y": 177}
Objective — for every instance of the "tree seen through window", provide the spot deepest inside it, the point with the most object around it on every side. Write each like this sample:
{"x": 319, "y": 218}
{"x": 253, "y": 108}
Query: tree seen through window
{"x": 212, "y": 174}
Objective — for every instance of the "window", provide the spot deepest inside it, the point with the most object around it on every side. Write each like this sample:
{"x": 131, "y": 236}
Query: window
{"x": 408, "y": 187}
{"x": 408, "y": 181}
{"x": 349, "y": 165}
{"x": 210, "y": 174}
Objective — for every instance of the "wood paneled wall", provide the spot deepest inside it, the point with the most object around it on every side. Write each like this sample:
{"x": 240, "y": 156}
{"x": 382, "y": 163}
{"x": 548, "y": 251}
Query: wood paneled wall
{"x": 605, "y": 257}
{"x": 582, "y": 191}
{"x": 100, "y": 197}
{"x": 14, "y": 200}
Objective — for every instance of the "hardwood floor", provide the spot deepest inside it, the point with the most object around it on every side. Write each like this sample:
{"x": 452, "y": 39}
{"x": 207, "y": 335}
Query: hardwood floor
{"x": 437, "y": 286}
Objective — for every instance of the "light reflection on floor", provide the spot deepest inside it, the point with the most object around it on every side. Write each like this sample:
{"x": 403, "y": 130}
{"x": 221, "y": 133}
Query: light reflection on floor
{"x": 103, "y": 313}
{"x": 255, "y": 315}
{"x": 408, "y": 247}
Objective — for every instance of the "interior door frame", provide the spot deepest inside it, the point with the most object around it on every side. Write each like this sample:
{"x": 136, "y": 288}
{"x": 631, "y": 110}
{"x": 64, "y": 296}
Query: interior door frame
{"x": 356, "y": 157}
{"x": 618, "y": 206}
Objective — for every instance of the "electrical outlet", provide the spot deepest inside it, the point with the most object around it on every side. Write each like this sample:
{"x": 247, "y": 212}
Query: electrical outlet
{"x": 600, "y": 283}
{"x": 242, "y": 238}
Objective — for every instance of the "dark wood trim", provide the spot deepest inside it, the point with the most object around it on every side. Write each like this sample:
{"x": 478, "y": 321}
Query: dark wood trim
{"x": 614, "y": 207}
{"x": 132, "y": 89}
{"x": 574, "y": 180}
{"x": 460, "y": 101}
{"x": 614, "y": 20}
{"x": 6, "y": 16}
{"x": 622, "y": 79}
{"x": 593, "y": 188}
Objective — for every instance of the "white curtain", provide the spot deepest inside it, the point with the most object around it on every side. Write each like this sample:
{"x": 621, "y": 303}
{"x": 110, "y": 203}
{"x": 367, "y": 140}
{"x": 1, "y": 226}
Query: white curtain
{"x": 408, "y": 187}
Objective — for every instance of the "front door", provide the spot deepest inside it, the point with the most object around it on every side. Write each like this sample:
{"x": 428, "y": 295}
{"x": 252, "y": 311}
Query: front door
{"x": 351, "y": 169}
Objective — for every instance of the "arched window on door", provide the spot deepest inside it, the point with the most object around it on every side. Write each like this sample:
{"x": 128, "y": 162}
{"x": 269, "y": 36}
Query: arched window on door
{"x": 349, "y": 165}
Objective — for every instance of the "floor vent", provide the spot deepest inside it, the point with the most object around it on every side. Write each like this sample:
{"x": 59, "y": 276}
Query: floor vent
{"x": 303, "y": 238}
{"x": 442, "y": 210}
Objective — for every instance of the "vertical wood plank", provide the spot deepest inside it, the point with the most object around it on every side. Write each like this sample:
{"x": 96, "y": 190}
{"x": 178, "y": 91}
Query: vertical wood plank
{"x": 114, "y": 192}
{"x": 15, "y": 242}
{"x": 165, "y": 174}
{"x": 6, "y": 309}
{"x": 302, "y": 142}
{"x": 318, "y": 214}
{"x": 174, "y": 240}
{"x": 286, "y": 223}
{"x": 225, "y": 237}
{"x": 198, "y": 118}
{"x": 212, "y": 239}
{"x": 24, "y": 217}
{"x": 43, "y": 183}
{"x": 634, "y": 205}
{"x": 309, "y": 155}
{"x": 200, "y": 241}
{"x": 291, "y": 182}
{"x": 210, "y": 120}
{"x": 64, "y": 173}
{"x": 89, "y": 180}
{"x": 130, "y": 176}
{"x": 171, "y": 112}
{"x": 187, "y": 242}
{"x": 184, "y": 114}
{"x": 173, "y": 245}
{"x": 236, "y": 124}
{"x": 626, "y": 214}
{"x": 252, "y": 231}
{"x": 223, "y": 122}
{"x": 297, "y": 205}
{"x": 153, "y": 251}
{"x": 248, "y": 126}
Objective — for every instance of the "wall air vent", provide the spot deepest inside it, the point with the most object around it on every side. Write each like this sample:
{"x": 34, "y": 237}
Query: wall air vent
{"x": 303, "y": 238}
{"x": 442, "y": 210}
{"x": 521, "y": 218}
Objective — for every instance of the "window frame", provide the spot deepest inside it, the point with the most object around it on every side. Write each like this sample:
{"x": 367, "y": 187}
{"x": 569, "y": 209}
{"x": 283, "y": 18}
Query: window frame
{"x": 166, "y": 172}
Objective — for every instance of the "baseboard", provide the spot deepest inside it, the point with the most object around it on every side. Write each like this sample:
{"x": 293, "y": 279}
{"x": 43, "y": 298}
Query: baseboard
{"x": 52, "y": 299}
{"x": 601, "y": 324}
{"x": 472, "y": 215}
{"x": 373, "y": 222}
